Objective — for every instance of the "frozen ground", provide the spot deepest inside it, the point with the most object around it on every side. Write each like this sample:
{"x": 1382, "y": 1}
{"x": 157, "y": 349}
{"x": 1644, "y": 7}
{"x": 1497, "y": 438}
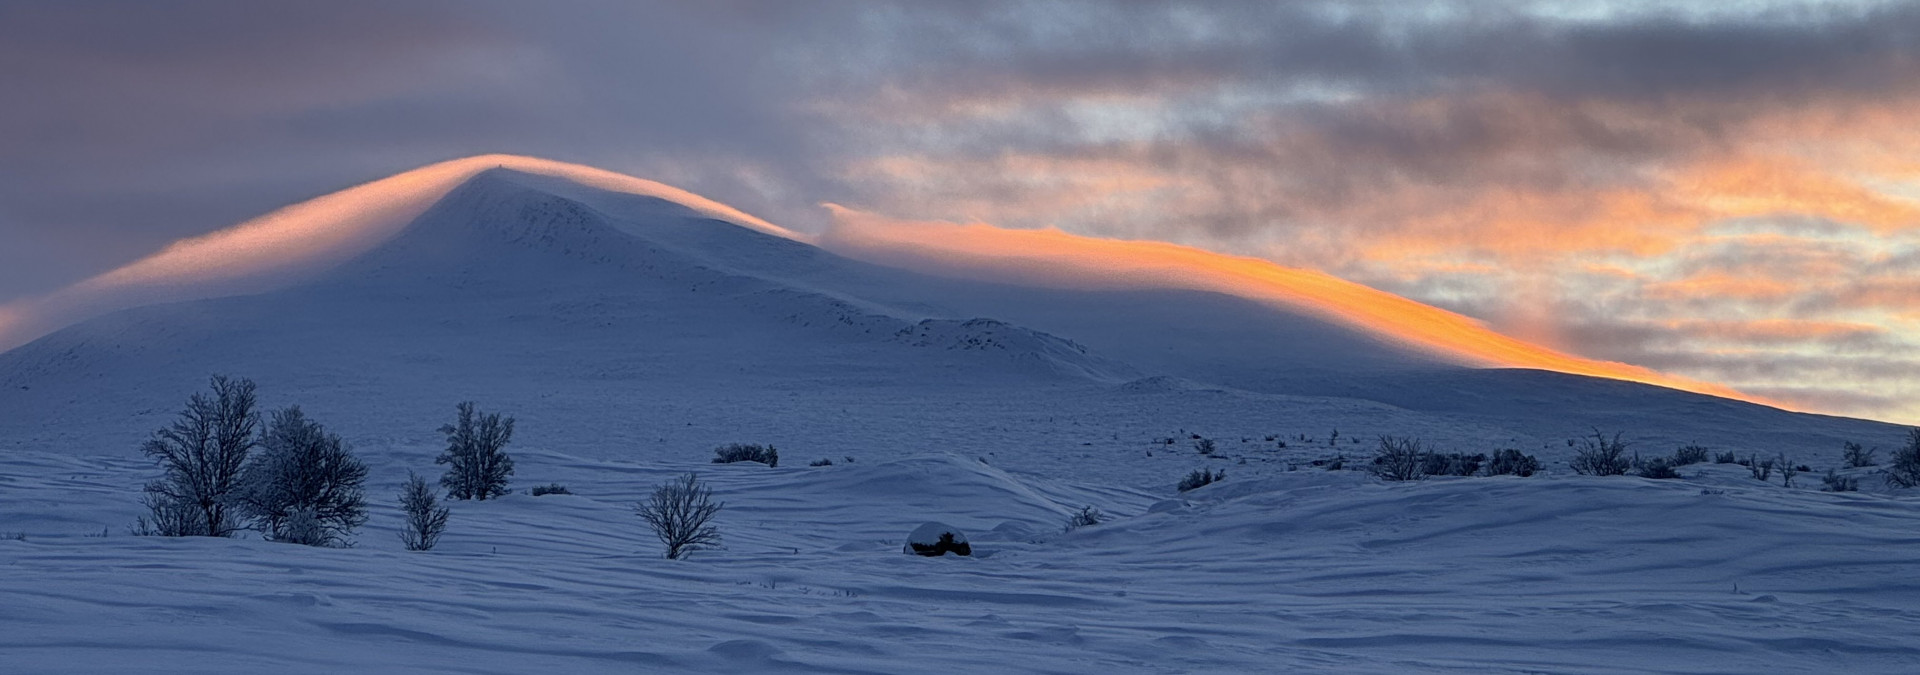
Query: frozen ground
{"x": 630, "y": 335}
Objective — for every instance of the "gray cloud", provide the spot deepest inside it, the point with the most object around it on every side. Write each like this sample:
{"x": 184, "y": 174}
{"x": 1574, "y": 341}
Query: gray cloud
{"x": 1439, "y": 150}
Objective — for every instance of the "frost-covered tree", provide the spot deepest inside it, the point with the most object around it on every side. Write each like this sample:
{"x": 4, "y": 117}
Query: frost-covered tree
{"x": 477, "y": 467}
{"x": 201, "y": 455}
{"x": 301, "y": 469}
{"x": 679, "y": 513}
{"x": 426, "y": 518}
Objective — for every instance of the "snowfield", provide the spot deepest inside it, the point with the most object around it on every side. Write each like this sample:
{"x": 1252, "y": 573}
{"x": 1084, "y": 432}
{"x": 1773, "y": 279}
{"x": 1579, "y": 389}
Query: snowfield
{"x": 1309, "y": 570}
{"x": 629, "y": 334}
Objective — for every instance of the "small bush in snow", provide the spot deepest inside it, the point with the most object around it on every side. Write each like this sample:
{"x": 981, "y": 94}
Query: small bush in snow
{"x": 549, "y": 489}
{"x": 1400, "y": 459}
{"x": 1203, "y": 446}
{"x": 201, "y": 454}
{"x": 679, "y": 513}
{"x": 821, "y": 462}
{"x": 302, "y": 468}
{"x": 1834, "y": 482}
{"x": 168, "y": 517}
{"x": 426, "y": 518}
{"x": 1200, "y": 477}
{"x": 1857, "y": 456}
{"x": 1451, "y": 464}
{"x": 1904, "y": 469}
{"x": 1512, "y": 462}
{"x": 1725, "y": 457}
{"x": 1689, "y": 454}
{"x": 1087, "y": 516}
{"x": 477, "y": 464}
{"x": 1658, "y": 467}
{"x": 301, "y": 526}
{"x": 746, "y": 452}
{"x": 1601, "y": 456}
{"x": 1761, "y": 469}
{"x": 1787, "y": 470}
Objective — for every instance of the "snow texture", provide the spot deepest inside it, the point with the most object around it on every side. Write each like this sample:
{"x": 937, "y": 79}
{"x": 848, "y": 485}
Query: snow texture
{"x": 629, "y": 334}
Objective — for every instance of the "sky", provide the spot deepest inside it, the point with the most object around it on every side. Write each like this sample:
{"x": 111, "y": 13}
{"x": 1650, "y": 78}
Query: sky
{"x": 1728, "y": 191}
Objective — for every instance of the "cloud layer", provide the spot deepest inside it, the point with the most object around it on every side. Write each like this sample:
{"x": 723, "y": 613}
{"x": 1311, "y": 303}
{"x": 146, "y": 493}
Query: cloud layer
{"x": 1726, "y": 191}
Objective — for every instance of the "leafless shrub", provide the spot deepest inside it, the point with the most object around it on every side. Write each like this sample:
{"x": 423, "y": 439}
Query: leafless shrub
{"x": 1400, "y": 459}
{"x": 1087, "y": 516}
{"x": 1602, "y": 456}
{"x": 1451, "y": 463}
{"x": 746, "y": 452}
{"x": 1904, "y": 470}
{"x": 1857, "y": 456}
{"x": 1787, "y": 470}
{"x": 1658, "y": 467}
{"x": 1834, "y": 482}
{"x": 679, "y": 513}
{"x": 1690, "y": 453}
{"x": 1512, "y": 462}
{"x": 426, "y": 518}
{"x": 1200, "y": 477}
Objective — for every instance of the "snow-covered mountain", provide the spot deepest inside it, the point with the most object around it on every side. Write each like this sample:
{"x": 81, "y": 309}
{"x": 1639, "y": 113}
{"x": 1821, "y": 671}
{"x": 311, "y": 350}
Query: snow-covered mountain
{"x": 630, "y": 328}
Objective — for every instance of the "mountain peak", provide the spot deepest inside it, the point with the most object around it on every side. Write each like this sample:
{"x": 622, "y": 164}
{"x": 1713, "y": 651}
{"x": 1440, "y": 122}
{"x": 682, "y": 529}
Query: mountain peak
{"x": 300, "y": 241}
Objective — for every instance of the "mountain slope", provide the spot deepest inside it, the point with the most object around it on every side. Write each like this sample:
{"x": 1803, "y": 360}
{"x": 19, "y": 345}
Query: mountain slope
{"x": 631, "y": 332}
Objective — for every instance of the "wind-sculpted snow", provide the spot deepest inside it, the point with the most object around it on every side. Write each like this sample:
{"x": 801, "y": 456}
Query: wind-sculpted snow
{"x": 1299, "y": 571}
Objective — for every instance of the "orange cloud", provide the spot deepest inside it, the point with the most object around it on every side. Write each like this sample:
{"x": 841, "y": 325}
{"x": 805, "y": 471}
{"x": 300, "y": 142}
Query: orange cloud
{"x": 1054, "y": 258}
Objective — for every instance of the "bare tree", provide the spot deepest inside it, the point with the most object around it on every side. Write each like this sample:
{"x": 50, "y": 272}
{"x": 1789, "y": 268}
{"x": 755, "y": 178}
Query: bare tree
{"x": 426, "y": 518}
{"x": 301, "y": 468}
{"x": 679, "y": 512}
{"x": 477, "y": 465}
{"x": 201, "y": 454}
{"x": 1400, "y": 459}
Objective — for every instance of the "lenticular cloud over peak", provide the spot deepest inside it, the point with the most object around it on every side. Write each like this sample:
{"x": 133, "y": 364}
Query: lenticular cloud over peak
{"x": 297, "y": 241}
